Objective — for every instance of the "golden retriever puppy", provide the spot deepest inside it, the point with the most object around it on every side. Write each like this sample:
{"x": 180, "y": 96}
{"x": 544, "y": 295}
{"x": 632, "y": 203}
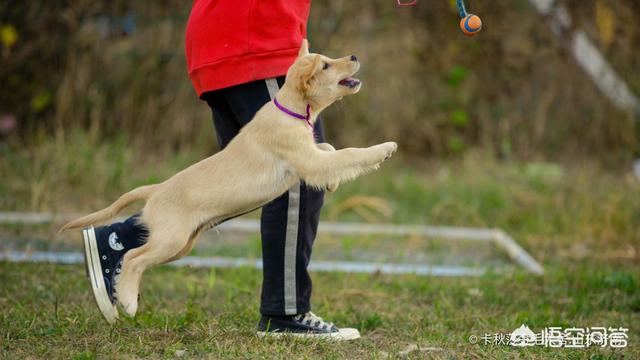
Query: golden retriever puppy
{"x": 270, "y": 154}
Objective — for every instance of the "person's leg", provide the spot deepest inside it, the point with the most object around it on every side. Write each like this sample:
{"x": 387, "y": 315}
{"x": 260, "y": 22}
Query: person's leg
{"x": 104, "y": 249}
{"x": 288, "y": 223}
{"x": 106, "y": 246}
{"x": 288, "y": 228}
{"x": 294, "y": 218}
{"x": 224, "y": 120}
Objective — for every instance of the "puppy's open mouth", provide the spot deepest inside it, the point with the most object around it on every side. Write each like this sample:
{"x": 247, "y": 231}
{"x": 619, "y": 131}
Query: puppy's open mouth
{"x": 349, "y": 82}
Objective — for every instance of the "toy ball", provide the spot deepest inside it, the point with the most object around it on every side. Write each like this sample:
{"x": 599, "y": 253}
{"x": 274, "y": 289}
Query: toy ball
{"x": 471, "y": 25}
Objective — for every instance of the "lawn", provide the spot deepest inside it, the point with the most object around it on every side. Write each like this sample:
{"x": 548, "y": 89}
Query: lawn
{"x": 48, "y": 312}
{"x": 580, "y": 220}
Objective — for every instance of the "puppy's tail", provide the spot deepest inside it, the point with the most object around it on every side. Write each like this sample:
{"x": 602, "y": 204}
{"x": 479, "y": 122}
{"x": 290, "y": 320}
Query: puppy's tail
{"x": 141, "y": 193}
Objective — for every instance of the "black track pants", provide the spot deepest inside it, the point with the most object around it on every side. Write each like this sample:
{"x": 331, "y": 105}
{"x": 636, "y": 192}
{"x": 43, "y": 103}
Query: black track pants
{"x": 289, "y": 223}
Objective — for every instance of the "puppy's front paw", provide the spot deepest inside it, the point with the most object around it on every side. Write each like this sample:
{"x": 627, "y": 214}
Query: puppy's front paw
{"x": 390, "y": 147}
{"x": 384, "y": 151}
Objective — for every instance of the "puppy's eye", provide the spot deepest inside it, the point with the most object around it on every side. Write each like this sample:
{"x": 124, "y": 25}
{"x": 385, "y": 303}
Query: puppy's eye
{"x": 325, "y": 66}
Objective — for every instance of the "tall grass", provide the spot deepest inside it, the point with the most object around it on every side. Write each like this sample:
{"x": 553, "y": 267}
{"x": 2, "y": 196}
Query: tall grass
{"x": 578, "y": 207}
{"x": 544, "y": 205}
{"x": 81, "y": 170}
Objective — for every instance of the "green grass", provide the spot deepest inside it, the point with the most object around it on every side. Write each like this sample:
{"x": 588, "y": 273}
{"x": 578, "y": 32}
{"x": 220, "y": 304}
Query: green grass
{"x": 579, "y": 219}
{"x": 48, "y": 312}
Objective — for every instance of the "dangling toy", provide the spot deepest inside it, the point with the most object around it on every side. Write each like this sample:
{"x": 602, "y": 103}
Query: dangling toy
{"x": 469, "y": 24}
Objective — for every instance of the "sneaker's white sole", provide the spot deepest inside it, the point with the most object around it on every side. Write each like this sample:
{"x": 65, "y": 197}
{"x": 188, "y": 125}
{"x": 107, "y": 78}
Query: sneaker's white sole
{"x": 345, "y": 334}
{"x": 94, "y": 272}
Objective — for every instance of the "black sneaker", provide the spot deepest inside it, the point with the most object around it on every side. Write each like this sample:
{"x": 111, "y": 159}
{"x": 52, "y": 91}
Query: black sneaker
{"x": 303, "y": 325}
{"x": 104, "y": 248}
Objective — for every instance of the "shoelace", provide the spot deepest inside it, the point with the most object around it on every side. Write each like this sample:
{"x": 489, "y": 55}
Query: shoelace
{"x": 310, "y": 318}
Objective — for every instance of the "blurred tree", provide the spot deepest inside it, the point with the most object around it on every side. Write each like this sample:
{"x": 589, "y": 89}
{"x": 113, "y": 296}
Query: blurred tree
{"x": 117, "y": 67}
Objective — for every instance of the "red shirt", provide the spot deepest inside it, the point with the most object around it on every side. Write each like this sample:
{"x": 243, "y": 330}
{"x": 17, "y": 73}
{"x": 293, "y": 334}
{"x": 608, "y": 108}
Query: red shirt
{"x": 230, "y": 42}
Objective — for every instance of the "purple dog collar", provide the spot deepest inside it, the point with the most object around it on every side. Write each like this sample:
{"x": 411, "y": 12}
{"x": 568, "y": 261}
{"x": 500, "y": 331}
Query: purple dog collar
{"x": 295, "y": 114}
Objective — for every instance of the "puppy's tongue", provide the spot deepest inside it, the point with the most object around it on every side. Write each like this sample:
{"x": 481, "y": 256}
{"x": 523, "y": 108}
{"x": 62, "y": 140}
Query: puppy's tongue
{"x": 349, "y": 82}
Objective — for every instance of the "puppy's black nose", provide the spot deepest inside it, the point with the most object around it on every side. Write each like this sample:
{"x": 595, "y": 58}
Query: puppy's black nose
{"x": 354, "y": 58}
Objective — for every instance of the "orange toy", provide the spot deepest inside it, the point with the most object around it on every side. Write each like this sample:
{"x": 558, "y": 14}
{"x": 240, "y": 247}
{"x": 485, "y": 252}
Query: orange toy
{"x": 471, "y": 25}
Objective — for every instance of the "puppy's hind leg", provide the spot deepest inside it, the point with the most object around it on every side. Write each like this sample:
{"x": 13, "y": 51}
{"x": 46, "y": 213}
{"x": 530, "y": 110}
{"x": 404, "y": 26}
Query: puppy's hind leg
{"x": 189, "y": 246}
{"x": 162, "y": 245}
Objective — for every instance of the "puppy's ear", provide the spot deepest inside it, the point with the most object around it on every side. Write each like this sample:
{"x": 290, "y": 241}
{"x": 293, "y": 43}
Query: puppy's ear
{"x": 304, "y": 48}
{"x": 307, "y": 70}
